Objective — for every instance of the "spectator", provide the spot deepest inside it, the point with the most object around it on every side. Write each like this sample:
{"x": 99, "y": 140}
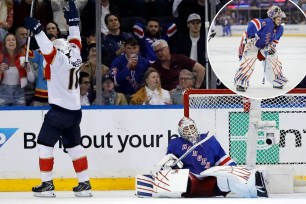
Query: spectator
{"x": 88, "y": 16}
{"x": 42, "y": 9}
{"x": 52, "y": 28}
{"x": 113, "y": 43}
{"x": 153, "y": 32}
{"x": 169, "y": 66}
{"x": 86, "y": 41}
{"x": 187, "y": 81}
{"x": 21, "y": 34}
{"x": 84, "y": 87}
{"x": 58, "y": 15}
{"x": 193, "y": 44}
{"x": 29, "y": 90}
{"x": 128, "y": 69}
{"x": 151, "y": 93}
{"x": 90, "y": 67}
{"x": 6, "y": 17}
{"x": 41, "y": 88}
{"x": 187, "y": 7}
{"x": 109, "y": 95}
{"x": 13, "y": 76}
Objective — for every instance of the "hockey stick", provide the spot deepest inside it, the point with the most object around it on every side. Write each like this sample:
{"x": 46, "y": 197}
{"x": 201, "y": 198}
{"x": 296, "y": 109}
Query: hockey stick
{"x": 265, "y": 65}
{"x": 29, "y": 37}
{"x": 191, "y": 149}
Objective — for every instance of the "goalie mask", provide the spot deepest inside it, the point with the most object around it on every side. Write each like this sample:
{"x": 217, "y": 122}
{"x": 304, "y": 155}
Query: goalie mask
{"x": 275, "y": 11}
{"x": 62, "y": 45}
{"x": 188, "y": 130}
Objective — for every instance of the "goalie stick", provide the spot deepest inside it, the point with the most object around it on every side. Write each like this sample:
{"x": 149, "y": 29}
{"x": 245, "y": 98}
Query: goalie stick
{"x": 191, "y": 149}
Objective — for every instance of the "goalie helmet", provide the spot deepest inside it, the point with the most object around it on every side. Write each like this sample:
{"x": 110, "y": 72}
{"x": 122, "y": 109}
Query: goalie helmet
{"x": 275, "y": 11}
{"x": 188, "y": 130}
{"x": 62, "y": 45}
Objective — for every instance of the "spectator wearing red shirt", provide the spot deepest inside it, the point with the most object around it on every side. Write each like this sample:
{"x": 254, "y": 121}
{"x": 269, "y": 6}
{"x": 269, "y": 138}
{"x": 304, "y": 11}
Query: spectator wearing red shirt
{"x": 169, "y": 66}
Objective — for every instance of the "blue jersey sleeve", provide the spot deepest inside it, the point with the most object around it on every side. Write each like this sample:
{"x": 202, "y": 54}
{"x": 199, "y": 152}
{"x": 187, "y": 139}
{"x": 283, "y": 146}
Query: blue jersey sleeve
{"x": 220, "y": 157}
{"x": 279, "y": 32}
{"x": 253, "y": 27}
{"x": 174, "y": 147}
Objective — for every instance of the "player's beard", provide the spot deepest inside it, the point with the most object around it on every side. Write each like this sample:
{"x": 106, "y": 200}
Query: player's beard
{"x": 151, "y": 35}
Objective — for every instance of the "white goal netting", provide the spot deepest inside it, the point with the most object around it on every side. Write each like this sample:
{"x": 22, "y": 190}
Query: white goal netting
{"x": 226, "y": 115}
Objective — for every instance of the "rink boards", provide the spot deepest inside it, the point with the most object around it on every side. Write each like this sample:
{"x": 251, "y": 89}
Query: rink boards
{"x": 119, "y": 143}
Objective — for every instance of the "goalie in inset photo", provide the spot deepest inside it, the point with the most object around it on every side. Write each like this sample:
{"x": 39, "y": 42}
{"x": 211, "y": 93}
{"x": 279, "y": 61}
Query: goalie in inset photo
{"x": 264, "y": 54}
{"x": 260, "y": 41}
{"x": 196, "y": 165}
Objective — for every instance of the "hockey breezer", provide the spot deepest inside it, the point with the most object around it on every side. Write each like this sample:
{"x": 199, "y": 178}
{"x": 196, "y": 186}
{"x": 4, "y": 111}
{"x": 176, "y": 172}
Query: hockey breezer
{"x": 260, "y": 41}
{"x": 62, "y": 121}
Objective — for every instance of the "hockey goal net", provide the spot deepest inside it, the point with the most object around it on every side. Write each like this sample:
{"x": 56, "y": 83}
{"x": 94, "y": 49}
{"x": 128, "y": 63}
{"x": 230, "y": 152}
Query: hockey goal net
{"x": 279, "y": 122}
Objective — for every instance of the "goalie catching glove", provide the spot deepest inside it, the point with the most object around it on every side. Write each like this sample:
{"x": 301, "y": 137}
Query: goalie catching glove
{"x": 168, "y": 161}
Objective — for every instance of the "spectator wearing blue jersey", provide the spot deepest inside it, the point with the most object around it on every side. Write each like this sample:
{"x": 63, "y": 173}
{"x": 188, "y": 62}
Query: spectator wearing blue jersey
{"x": 151, "y": 33}
{"x": 113, "y": 42}
{"x": 128, "y": 69}
{"x": 260, "y": 42}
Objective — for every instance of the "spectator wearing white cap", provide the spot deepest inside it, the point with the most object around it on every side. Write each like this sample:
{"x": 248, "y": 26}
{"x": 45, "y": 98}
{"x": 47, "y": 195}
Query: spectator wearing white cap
{"x": 193, "y": 44}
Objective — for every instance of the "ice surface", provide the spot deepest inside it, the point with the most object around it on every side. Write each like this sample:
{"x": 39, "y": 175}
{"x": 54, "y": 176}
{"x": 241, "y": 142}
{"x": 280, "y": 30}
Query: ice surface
{"x": 223, "y": 56}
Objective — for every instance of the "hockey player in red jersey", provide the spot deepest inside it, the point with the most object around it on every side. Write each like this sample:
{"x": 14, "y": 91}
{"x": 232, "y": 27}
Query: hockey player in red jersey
{"x": 259, "y": 42}
{"x": 63, "y": 119}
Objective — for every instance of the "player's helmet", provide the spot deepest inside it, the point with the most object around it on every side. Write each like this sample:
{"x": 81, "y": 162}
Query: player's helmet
{"x": 188, "y": 130}
{"x": 275, "y": 11}
{"x": 62, "y": 45}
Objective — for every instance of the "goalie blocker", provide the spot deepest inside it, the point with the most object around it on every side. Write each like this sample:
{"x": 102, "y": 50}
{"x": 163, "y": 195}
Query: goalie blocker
{"x": 216, "y": 181}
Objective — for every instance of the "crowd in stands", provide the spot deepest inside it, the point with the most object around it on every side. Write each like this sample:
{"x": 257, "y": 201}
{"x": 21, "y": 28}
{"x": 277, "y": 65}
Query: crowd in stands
{"x": 152, "y": 50}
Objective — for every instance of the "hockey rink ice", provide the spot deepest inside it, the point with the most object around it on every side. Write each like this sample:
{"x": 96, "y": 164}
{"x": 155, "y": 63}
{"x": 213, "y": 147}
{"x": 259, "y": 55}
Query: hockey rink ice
{"x": 223, "y": 56}
{"x": 127, "y": 197}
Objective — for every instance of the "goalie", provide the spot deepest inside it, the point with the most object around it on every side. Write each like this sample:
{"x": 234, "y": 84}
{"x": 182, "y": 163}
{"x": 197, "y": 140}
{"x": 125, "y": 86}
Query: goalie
{"x": 203, "y": 170}
{"x": 259, "y": 42}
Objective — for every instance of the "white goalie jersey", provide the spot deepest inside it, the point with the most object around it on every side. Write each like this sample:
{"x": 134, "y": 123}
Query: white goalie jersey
{"x": 61, "y": 71}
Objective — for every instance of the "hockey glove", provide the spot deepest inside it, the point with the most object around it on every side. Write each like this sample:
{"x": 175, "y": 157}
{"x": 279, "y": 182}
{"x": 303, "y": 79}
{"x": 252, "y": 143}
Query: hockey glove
{"x": 272, "y": 48}
{"x": 168, "y": 161}
{"x": 250, "y": 44}
{"x": 71, "y": 15}
{"x": 33, "y": 25}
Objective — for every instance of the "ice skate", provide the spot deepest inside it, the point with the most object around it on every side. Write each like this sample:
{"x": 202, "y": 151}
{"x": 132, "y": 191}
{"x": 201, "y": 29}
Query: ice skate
{"x": 241, "y": 88}
{"x": 260, "y": 185}
{"x": 46, "y": 189}
{"x": 278, "y": 87}
{"x": 83, "y": 189}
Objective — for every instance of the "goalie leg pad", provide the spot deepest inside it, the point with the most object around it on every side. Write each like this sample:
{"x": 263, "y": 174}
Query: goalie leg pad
{"x": 144, "y": 185}
{"x": 164, "y": 183}
{"x": 240, "y": 180}
{"x": 244, "y": 72}
{"x": 274, "y": 72}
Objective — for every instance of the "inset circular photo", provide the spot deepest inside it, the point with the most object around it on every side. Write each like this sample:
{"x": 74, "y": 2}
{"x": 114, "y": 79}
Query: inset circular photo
{"x": 258, "y": 48}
